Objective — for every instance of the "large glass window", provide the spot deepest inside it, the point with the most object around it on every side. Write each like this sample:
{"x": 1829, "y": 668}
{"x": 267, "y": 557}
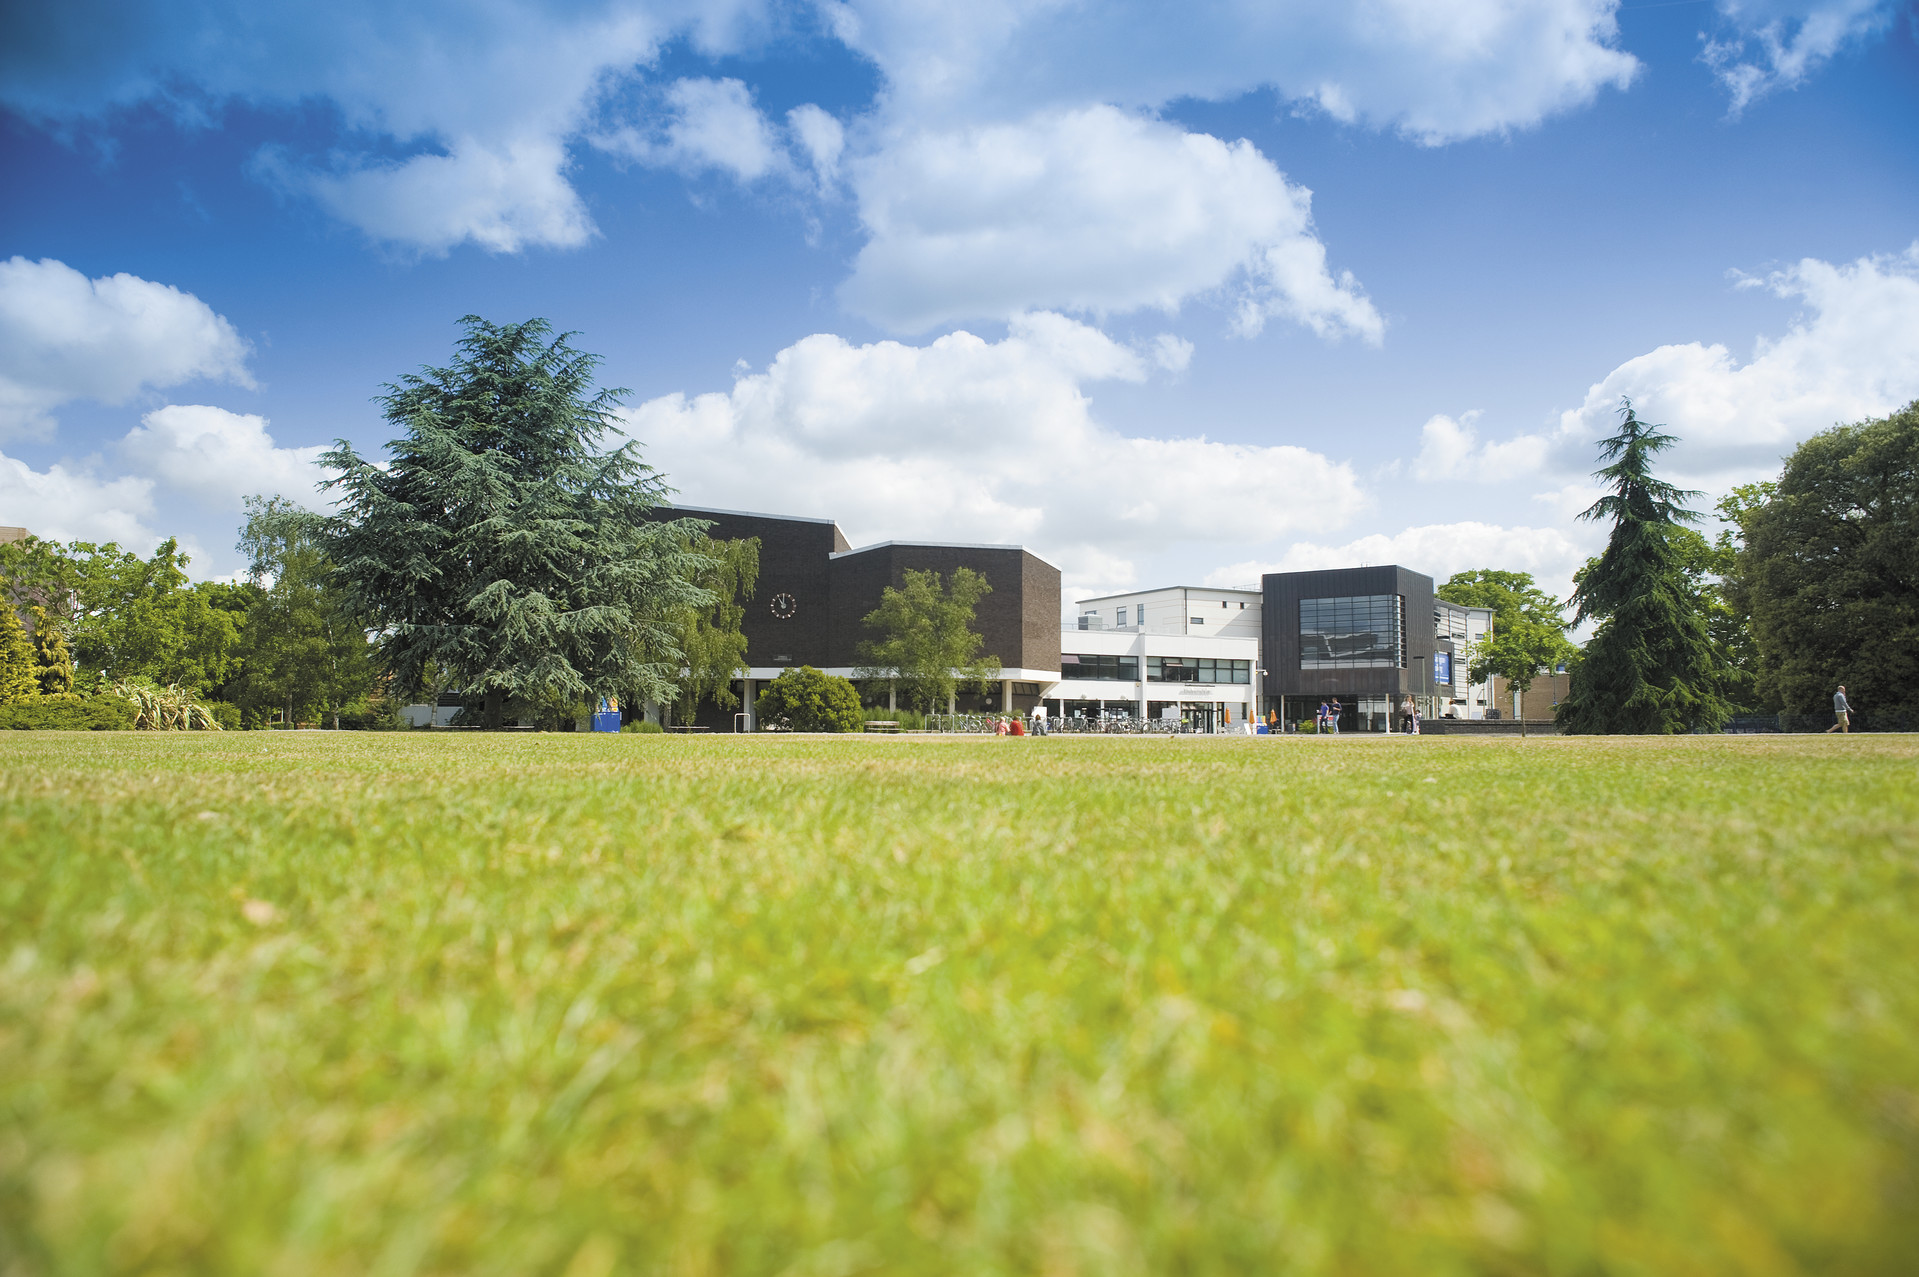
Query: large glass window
{"x": 1361, "y": 632}
{"x": 1085, "y": 665}
{"x": 1197, "y": 669}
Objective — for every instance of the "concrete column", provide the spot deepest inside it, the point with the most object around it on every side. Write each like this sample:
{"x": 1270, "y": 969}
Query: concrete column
{"x": 1139, "y": 649}
{"x": 952, "y": 703}
{"x": 1006, "y": 696}
{"x": 892, "y": 696}
{"x": 749, "y": 689}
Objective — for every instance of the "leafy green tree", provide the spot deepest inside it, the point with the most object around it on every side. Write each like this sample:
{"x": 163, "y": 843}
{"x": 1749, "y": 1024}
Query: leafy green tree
{"x": 17, "y": 670}
{"x": 307, "y": 650}
{"x": 711, "y": 641}
{"x": 1512, "y": 596}
{"x": 52, "y": 662}
{"x": 502, "y": 544}
{"x": 807, "y": 700}
{"x": 925, "y": 642}
{"x": 1830, "y": 569}
{"x": 1518, "y": 652}
{"x": 1651, "y": 666}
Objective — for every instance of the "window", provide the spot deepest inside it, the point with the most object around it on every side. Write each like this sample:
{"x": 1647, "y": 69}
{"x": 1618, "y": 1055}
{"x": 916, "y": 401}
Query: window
{"x": 1142, "y": 614}
{"x": 1197, "y": 669}
{"x": 1222, "y": 603}
{"x": 1361, "y": 632}
{"x": 1197, "y": 620}
{"x": 1125, "y": 669}
{"x": 1082, "y": 621}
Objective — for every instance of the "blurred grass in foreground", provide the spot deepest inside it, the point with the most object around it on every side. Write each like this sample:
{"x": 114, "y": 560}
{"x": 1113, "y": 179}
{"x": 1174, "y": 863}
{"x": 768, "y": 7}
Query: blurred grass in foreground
{"x": 317, "y": 1003}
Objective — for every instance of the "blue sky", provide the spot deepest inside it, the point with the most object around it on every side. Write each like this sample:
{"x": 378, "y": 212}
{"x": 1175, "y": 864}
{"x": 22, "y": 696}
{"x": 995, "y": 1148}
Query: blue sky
{"x": 1168, "y": 299}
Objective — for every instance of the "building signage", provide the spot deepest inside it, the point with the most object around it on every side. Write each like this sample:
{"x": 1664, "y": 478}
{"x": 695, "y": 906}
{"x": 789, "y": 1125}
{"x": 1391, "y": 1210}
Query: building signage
{"x": 1443, "y": 668}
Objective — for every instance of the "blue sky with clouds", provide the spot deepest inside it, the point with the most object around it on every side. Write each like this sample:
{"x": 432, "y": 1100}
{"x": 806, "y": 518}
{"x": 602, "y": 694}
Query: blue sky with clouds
{"x": 1166, "y": 294}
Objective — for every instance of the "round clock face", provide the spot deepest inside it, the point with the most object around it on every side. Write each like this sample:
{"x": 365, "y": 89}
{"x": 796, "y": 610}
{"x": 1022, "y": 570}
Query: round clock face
{"x": 784, "y": 606}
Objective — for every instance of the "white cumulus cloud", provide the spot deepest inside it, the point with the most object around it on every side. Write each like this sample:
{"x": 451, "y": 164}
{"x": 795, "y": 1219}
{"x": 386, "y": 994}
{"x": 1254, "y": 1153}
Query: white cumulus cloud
{"x": 1776, "y": 44}
{"x": 1450, "y": 449}
{"x": 970, "y": 440}
{"x": 65, "y": 337}
{"x": 1091, "y": 210}
{"x": 219, "y": 457}
{"x": 1436, "y": 70}
{"x": 479, "y": 102}
{"x": 1854, "y": 353}
{"x": 63, "y": 503}
{"x": 1436, "y": 549}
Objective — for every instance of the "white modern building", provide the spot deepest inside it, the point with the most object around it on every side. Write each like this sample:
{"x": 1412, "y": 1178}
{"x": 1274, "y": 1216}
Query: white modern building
{"x": 1470, "y": 629}
{"x": 1189, "y": 653}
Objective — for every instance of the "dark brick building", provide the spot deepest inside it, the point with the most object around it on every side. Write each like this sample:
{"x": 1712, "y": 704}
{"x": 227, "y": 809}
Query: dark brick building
{"x": 815, "y": 589}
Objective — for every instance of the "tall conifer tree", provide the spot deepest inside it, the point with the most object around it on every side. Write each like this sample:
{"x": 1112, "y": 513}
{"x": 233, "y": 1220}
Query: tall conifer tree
{"x": 1651, "y": 667}
{"x": 501, "y": 544}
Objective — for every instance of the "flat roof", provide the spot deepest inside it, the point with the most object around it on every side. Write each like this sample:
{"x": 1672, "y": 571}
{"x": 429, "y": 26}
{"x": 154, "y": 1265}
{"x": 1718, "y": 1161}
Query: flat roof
{"x": 1161, "y": 589}
{"x": 748, "y": 514}
{"x": 935, "y": 545}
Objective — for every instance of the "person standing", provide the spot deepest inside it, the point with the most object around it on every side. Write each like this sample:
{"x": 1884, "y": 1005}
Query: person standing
{"x": 1333, "y": 712}
{"x": 1841, "y": 713}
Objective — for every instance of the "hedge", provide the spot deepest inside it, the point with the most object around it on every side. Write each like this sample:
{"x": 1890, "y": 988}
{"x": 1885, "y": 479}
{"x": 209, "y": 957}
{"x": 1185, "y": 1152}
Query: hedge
{"x": 68, "y": 713}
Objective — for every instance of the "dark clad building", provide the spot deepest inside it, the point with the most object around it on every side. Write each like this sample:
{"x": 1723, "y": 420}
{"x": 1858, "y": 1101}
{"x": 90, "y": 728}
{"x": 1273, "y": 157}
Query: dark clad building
{"x": 815, "y": 590}
{"x": 1363, "y": 635}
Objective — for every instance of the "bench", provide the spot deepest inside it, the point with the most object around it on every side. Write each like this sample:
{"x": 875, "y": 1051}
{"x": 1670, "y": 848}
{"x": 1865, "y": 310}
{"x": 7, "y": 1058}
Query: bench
{"x": 883, "y": 725}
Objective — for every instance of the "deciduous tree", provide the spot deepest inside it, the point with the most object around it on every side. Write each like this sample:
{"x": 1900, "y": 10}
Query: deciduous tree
{"x": 808, "y": 700}
{"x": 306, "y": 648}
{"x": 711, "y": 641}
{"x": 1830, "y": 569}
{"x": 925, "y": 639}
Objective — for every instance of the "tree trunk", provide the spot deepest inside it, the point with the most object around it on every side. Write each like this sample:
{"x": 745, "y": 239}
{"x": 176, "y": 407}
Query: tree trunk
{"x": 495, "y": 708}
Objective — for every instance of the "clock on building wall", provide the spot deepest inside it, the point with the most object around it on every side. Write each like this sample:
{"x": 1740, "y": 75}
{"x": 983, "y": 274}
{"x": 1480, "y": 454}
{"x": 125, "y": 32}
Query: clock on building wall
{"x": 784, "y": 606}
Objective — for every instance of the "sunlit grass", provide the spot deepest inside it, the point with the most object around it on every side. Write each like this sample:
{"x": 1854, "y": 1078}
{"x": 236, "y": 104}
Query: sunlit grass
{"x": 319, "y": 1003}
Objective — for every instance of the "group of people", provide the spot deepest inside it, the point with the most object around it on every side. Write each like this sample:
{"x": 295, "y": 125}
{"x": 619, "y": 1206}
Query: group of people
{"x": 1327, "y": 720}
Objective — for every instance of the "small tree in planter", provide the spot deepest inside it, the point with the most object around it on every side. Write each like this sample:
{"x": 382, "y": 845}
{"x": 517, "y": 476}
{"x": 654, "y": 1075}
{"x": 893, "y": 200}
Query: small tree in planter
{"x": 806, "y": 700}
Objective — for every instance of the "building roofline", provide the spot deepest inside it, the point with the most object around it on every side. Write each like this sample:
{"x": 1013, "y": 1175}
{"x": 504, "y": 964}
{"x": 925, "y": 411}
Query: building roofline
{"x": 748, "y": 514}
{"x": 1216, "y": 589}
{"x": 934, "y": 545}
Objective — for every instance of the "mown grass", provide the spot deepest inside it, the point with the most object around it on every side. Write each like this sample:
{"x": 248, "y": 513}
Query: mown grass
{"x": 317, "y": 1003}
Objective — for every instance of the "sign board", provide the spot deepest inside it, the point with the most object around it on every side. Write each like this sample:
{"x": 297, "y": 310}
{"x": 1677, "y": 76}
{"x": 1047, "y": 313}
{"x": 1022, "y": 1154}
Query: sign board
{"x": 1443, "y": 668}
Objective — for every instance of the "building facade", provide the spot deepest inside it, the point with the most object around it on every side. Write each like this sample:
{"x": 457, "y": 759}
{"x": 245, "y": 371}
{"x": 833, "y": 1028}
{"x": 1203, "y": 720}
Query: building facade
{"x": 1185, "y": 653}
{"x": 815, "y": 590}
{"x": 1211, "y": 658}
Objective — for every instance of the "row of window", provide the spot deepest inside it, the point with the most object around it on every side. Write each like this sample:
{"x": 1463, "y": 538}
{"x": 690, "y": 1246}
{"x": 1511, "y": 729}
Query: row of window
{"x": 1159, "y": 669}
{"x": 1360, "y": 632}
{"x": 1197, "y": 669}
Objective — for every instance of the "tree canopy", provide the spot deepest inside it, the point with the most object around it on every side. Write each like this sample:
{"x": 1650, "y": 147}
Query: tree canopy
{"x": 1651, "y": 666}
{"x": 809, "y": 700}
{"x": 123, "y": 616}
{"x": 1512, "y": 596}
{"x": 924, "y": 637}
{"x": 306, "y": 647}
{"x": 501, "y": 544}
{"x": 711, "y": 641}
{"x": 1829, "y": 569}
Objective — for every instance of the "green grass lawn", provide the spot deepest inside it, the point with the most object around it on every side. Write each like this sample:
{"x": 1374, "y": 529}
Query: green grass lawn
{"x": 388, "y": 1004}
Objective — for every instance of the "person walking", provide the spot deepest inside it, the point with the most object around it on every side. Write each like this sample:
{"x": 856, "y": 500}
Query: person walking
{"x": 1841, "y": 713}
{"x": 1319, "y": 719}
{"x": 1333, "y": 712}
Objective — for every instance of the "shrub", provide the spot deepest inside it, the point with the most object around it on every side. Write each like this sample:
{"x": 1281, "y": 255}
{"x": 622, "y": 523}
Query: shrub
{"x": 164, "y": 709}
{"x": 68, "y": 713}
{"x": 226, "y": 714}
{"x": 806, "y": 700}
{"x": 641, "y": 725}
